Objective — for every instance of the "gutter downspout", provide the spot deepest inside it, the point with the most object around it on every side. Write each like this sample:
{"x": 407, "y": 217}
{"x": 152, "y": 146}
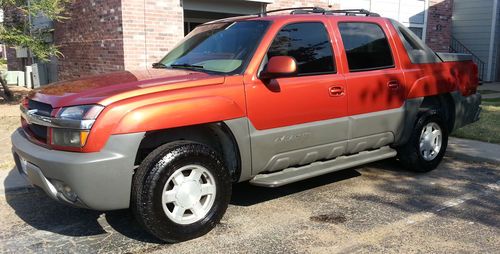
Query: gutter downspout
{"x": 492, "y": 40}
{"x": 426, "y": 13}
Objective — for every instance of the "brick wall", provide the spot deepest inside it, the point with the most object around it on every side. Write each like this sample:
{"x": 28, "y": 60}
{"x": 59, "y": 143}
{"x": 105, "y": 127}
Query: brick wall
{"x": 91, "y": 39}
{"x": 439, "y": 24}
{"x": 11, "y": 18}
{"x": 14, "y": 63}
{"x": 150, "y": 29}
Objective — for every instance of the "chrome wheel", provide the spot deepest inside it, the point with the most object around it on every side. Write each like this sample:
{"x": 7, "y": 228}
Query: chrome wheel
{"x": 188, "y": 194}
{"x": 431, "y": 139}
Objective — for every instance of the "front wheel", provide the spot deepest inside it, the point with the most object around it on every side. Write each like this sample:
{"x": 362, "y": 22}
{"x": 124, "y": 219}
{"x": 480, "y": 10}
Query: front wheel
{"x": 427, "y": 145}
{"x": 180, "y": 191}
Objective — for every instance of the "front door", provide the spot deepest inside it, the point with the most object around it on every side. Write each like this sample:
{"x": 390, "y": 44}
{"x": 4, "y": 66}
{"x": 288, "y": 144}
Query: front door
{"x": 297, "y": 120}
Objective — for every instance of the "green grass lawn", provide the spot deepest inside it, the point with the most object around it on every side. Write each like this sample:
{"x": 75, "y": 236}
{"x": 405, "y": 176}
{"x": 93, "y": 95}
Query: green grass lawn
{"x": 487, "y": 128}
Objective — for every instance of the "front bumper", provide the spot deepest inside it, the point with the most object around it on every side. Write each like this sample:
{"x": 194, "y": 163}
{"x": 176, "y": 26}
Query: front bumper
{"x": 99, "y": 181}
{"x": 467, "y": 109}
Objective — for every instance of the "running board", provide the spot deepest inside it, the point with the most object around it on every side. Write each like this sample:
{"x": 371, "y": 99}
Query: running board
{"x": 295, "y": 174}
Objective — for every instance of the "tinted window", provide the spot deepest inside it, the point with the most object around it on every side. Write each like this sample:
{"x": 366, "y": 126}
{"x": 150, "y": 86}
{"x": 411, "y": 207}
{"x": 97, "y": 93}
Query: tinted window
{"x": 415, "y": 47}
{"x": 418, "y": 31}
{"x": 366, "y": 46}
{"x": 217, "y": 47}
{"x": 407, "y": 39}
{"x": 308, "y": 43}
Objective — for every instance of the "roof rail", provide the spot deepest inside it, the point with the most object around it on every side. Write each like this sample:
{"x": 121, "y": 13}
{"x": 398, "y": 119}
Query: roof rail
{"x": 354, "y": 12}
{"x": 319, "y": 10}
{"x": 307, "y": 10}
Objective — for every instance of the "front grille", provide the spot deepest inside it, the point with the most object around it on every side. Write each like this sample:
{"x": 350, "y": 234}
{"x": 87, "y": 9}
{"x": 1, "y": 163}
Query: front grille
{"x": 40, "y": 132}
{"x": 44, "y": 109}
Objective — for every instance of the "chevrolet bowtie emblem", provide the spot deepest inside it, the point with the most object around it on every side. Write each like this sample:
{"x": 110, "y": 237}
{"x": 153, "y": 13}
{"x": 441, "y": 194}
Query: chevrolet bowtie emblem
{"x": 32, "y": 112}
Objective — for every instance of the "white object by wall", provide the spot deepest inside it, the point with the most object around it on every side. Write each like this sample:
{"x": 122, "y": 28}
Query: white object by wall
{"x": 39, "y": 75}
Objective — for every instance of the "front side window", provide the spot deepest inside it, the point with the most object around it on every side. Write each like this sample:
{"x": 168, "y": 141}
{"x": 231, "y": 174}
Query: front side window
{"x": 219, "y": 47}
{"x": 366, "y": 46}
{"x": 309, "y": 44}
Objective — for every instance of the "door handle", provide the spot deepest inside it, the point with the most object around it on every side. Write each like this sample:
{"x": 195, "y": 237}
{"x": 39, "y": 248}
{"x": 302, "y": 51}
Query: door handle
{"x": 393, "y": 84}
{"x": 336, "y": 91}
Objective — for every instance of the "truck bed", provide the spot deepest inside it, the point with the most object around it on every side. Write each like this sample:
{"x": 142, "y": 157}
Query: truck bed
{"x": 454, "y": 57}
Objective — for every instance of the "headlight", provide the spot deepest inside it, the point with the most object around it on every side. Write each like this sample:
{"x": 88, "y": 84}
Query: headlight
{"x": 69, "y": 137}
{"x": 84, "y": 112}
{"x": 82, "y": 116}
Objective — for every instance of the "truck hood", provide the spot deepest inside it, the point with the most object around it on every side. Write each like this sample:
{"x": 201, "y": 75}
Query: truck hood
{"x": 107, "y": 88}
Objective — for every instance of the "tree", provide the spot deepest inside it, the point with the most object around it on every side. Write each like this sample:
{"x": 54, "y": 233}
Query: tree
{"x": 17, "y": 29}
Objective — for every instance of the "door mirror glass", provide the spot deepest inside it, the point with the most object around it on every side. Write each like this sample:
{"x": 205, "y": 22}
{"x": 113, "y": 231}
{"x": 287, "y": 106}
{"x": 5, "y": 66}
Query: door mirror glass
{"x": 279, "y": 66}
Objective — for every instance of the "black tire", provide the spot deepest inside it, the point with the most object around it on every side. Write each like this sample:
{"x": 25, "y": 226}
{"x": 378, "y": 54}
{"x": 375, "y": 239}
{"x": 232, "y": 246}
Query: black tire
{"x": 409, "y": 154}
{"x": 151, "y": 177}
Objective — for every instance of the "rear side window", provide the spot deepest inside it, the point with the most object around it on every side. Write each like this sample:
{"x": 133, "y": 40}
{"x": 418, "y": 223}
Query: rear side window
{"x": 408, "y": 41}
{"x": 309, "y": 44}
{"x": 366, "y": 46}
{"x": 417, "y": 50}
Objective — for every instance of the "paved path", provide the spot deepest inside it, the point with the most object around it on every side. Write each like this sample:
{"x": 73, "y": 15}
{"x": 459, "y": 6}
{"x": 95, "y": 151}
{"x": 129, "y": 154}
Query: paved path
{"x": 490, "y": 87}
{"x": 377, "y": 208}
{"x": 473, "y": 150}
{"x": 495, "y": 86}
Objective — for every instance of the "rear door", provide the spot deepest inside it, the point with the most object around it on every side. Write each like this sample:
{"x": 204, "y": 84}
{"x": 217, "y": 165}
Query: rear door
{"x": 295, "y": 120}
{"x": 375, "y": 83}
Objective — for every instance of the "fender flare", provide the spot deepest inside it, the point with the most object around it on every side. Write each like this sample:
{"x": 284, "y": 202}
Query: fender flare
{"x": 425, "y": 86}
{"x": 185, "y": 112}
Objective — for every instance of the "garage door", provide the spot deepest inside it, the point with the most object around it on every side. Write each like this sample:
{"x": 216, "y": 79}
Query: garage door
{"x": 197, "y": 12}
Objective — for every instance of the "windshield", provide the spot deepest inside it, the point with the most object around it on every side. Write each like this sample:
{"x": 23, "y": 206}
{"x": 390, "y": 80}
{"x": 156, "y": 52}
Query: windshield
{"x": 219, "y": 47}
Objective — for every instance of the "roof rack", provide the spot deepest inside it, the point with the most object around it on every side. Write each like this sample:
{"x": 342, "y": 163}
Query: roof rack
{"x": 353, "y": 12}
{"x": 308, "y": 10}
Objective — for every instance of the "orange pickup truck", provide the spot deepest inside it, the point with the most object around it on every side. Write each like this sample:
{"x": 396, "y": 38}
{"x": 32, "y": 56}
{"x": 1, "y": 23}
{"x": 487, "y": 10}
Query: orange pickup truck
{"x": 269, "y": 99}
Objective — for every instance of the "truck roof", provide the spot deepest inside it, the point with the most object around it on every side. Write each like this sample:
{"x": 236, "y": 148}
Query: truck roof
{"x": 299, "y": 13}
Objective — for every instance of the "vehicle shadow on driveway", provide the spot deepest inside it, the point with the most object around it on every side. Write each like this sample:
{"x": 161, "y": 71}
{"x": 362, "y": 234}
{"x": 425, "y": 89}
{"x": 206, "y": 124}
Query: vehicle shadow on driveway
{"x": 38, "y": 210}
{"x": 35, "y": 208}
{"x": 440, "y": 192}
{"x": 245, "y": 194}
{"x": 393, "y": 188}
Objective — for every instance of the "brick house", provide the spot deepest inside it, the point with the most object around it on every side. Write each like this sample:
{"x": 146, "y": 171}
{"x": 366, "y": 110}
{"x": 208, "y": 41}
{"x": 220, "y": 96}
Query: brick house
{"x": 110, "y": 35}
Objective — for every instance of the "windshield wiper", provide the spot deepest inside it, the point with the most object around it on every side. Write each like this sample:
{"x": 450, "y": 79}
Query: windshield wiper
{"x": 185, "y": 65}
{"x": 159, "y": 65}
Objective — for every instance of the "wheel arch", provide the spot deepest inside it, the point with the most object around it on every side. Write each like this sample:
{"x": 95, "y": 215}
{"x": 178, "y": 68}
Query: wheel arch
{"x": 217, "y": 136}
{"x": 414, "y": 108}
{"x": 445, "y": 106}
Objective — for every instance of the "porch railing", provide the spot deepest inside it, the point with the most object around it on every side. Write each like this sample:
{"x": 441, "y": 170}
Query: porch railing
{"x": 457, "y": 47}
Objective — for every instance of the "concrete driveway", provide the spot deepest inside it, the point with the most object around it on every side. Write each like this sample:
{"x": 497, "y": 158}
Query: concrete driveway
{"x": 375, "y": 208}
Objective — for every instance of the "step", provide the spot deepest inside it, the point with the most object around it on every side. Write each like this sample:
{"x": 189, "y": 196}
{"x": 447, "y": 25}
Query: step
{"x": 295, "y": 174}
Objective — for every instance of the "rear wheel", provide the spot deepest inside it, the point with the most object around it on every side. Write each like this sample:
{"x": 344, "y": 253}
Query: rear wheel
{"x": 427, "y": 145}
{"x": 180, "y": 191}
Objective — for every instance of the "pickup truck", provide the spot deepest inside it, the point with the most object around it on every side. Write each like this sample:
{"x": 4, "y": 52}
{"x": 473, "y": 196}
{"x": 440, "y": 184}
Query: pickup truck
{"x": 269, "y": 99}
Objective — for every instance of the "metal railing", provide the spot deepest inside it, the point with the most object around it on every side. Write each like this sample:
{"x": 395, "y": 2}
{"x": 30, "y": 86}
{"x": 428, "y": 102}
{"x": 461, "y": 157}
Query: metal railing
{"x": 457, "y": 47}
{"x": 307, "y": 10}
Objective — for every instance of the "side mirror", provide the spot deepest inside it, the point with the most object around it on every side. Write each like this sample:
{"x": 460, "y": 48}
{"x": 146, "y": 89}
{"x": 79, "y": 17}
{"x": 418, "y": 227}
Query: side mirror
{"x": 279, "y": 66}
